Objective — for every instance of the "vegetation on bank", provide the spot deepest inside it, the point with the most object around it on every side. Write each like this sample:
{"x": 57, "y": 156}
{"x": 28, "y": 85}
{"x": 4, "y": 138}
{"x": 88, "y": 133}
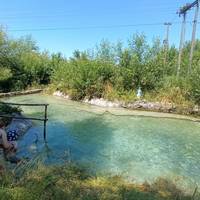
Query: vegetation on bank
{"x": 111, "y": 71}
{"x": 8, "y": 110}
{"x": 21, "y": 64}
{"x": 69, "y": 182}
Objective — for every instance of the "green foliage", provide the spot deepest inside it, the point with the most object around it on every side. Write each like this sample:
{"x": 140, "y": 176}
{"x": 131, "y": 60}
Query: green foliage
{"x": 111, "y": 71}
{"x": 122, "y": 69}
{"x": 116, "y": 95}
{"x": 21, "y": 63}
{"x": 7, "y": 109}
{"x": 83, "y": 78}
{"x": 116, "y": 72}
{"x": 176, "y": 92}
{"x": 195, "y": 85}
{"x": 5, "y": 74}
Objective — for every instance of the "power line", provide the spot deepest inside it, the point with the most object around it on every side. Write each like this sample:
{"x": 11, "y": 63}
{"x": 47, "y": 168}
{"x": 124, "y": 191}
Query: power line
{"x": 91, "y": 27}
{"x": 87, "y": 27}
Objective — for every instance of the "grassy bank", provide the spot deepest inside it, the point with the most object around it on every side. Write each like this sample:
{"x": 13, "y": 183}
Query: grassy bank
{"x": 71, "y": 183}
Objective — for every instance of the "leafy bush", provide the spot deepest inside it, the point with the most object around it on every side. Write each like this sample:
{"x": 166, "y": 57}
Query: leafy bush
{"x": 83, "y": 78}
{"x": 195, "y": 85}
{"x": 21, "y": 63}
{"x": 7, "y": 109}
{"x": 112, "y": 71}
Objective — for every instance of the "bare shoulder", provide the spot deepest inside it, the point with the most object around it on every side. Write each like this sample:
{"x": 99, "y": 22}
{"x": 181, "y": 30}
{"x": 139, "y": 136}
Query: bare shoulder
{"x": 2, "y": 131}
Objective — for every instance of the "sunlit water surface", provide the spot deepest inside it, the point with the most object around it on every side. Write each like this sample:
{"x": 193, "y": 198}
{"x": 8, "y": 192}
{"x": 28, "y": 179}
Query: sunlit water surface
{"x": 138, "y": 148}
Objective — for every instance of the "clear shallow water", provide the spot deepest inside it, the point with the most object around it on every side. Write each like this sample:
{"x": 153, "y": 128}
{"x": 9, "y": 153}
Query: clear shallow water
{"x": 138, "y": 148}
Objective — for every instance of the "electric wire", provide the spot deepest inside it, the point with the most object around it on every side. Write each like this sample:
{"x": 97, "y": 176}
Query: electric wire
{"x": 90, "y": 27}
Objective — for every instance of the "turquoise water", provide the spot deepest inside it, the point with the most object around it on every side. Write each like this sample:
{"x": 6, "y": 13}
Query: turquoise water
{"x": 138, "y": 148}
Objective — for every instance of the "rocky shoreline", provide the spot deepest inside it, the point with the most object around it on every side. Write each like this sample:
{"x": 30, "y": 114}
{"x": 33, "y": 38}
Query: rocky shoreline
{"x": 138, "y": 105}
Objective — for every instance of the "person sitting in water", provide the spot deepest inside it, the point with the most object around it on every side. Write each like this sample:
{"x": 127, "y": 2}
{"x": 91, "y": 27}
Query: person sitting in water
{"x": 7, "y": 142}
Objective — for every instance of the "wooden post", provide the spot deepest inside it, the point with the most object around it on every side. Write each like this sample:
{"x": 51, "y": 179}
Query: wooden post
{"x": 45, "y": 122}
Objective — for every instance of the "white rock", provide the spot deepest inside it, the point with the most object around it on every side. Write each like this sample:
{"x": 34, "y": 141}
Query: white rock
{"x": 60, "y": 94}
{"x": 102, "y": 103}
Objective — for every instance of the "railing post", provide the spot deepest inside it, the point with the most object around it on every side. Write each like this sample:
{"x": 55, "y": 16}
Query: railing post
{"x": 45, "y": 122}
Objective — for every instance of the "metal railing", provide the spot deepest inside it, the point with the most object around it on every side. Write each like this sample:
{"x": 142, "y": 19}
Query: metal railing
{"x": 45, "y": 119}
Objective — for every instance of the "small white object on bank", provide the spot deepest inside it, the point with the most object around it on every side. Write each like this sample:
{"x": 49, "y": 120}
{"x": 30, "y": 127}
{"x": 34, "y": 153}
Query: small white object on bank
{"x": 139, "y": 92}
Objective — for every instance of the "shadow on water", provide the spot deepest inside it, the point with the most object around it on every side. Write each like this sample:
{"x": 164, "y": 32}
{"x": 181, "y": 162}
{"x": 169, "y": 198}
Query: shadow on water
{"x": 82, "y": 141}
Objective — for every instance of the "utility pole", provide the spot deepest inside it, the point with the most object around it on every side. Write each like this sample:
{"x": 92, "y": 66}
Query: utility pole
{"x": 193, "y": 36}
{"x": 181, "y": 43}
{"x": 183, "y": 11}
{"x": 166, "y": 41}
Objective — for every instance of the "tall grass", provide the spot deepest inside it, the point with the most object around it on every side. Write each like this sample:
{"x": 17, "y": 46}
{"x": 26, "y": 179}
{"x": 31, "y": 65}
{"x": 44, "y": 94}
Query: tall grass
{"x": 70, "y": 183}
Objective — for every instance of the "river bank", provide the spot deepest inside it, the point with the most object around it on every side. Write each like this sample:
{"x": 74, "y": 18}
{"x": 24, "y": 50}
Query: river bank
{"x": 140, "y": 104}
{"x": 144, "y": 106}
{"x": 17, "y": 93}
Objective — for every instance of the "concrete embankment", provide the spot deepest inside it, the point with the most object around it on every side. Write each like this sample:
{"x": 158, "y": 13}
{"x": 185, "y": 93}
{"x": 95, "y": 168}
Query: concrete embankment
{"x": 17, "y": 93}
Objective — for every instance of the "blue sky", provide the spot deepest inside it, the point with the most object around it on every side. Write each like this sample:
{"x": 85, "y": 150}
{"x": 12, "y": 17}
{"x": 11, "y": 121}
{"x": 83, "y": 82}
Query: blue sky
{"x": 74, "y": 20}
